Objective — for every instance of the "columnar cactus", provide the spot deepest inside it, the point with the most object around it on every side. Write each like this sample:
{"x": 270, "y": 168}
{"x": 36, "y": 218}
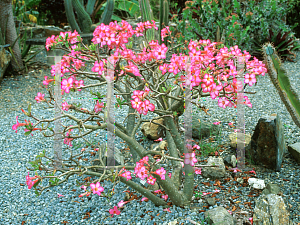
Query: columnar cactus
{"x": 280, "y": 80}
{"x": 147, "y": 15}
{"x": 84, "y": 19}
{"x": 163, "y": 17}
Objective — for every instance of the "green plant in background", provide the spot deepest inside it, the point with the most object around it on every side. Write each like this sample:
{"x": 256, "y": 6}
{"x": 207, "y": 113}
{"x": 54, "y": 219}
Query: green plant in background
{"x": 293, "y": 13}
{"x": 282, "y": 44}
{"x": 239, "y": 26}
{"x": 131, "y": 8}
{"x": 280, "y": 80}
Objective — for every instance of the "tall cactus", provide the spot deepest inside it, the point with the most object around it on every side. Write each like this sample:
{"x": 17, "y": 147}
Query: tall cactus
{"x": 280, "y": 80}
{"x": 147, "y": 15}
{"x": 84, "y": 19}
{"x": 108, "y": 12}
{"x": 163, "y": 17}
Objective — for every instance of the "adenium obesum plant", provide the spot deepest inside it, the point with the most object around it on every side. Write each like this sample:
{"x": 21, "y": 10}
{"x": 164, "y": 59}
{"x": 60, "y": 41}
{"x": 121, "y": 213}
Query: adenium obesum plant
{"x": 204, "y": 73}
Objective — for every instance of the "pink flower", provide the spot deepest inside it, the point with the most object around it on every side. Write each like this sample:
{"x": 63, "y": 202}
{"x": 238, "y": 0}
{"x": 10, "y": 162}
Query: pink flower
{"x": 189, "y": 159}
{"x": 196, "y": 146}
{"x": 114, "y": 211}
{"x": 157, "y": 191}
{"x": 121, "y": 203}
{"x": 151, "y": 180}
{"x": 167, "y": 209}
{"x": 98, "y": 107}
{"x": 86, "y": 193}
{"x": 127, "y": 175}
{"x": 84, "y": 187}
{"x": 198, "y": 171}
{"x": 40, "y": 97}
{"x": 65, "y": 106}
{"x": 165, "y": 197}
{"x": 251, "y": 220}
{"x": 252, "y": 171}
{"x": 30, "y": 181}
{"x": 66, "y": 85}
{"x": 97, "y": 189}
{"x": 217, "y": 123}
{"x": 143, "y": 199}
{"x": 161, "y": 173}
{"x": 59, "y": 195}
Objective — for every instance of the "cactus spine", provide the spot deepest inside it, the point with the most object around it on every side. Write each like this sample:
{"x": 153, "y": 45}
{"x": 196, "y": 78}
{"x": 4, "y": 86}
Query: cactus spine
{"x": 280, "y": 80}
{"x": 163, "y": 18}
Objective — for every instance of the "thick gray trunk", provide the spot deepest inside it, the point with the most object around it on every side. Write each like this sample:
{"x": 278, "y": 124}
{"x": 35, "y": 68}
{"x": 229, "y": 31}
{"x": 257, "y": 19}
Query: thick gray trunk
{"x": 11, "y": 34}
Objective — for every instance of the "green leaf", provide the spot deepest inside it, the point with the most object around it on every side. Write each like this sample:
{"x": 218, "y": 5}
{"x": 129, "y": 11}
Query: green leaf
{"x": 37, "y": 193}
{"x": 29, "y": 108}
{"x": 37, "y": 183}
{"x": 114, "y": 17}
{"x": 27, "y": 133}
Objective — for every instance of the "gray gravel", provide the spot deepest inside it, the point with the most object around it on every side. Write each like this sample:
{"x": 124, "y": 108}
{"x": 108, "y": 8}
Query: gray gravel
{"x": 19, "y": 204}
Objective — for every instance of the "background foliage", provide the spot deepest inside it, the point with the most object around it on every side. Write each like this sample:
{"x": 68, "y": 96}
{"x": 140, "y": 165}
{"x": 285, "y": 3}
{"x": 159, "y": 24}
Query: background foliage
{"x": 241, "y": 21}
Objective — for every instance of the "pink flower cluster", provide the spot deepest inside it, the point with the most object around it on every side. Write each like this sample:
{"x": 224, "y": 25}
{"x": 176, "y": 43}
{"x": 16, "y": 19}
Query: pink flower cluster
{"x": 72, "y": 37}
{"x": 138, "y": 103}
{"x": 67, "y": 141}
{"x": 165, "y": 32}
{"x": 15, "y": 126}
{"x": 141, "y": 172}
{"x": 30, "y": 181}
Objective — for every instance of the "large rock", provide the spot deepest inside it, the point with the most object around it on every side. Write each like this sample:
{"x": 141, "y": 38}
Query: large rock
{"x": 40, "y": 31}
{"x": 236, "y": 138}
{"x": 203, "y": 129}
{"x": 214, "y": 172}
{"x": 267, "y": 145}
{"x": 294, "y": 150}
{"x": 271, "y": 189}
{"x": 220, "y": 216}
{"x": 154, "y": 131}
{"x": 5, "y": 58}
{"x": 271, "y": 209}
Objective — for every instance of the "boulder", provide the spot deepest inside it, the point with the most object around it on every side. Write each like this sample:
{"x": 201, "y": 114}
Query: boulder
{"x": 271, "y": 209}
{"x": 236, "y": 138}
{"x": 267, "y": 145}
{"x": 203, "y": 129}
{"x": 230, "y": 161}
{"x": 154, "y": 131}
{"x": 220, "y": 216}
{"x": 271, "y": 189}
{"x": 40, "y": 31}
{"x": 214, "y": 172}
{"x": 294, "y": 150}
